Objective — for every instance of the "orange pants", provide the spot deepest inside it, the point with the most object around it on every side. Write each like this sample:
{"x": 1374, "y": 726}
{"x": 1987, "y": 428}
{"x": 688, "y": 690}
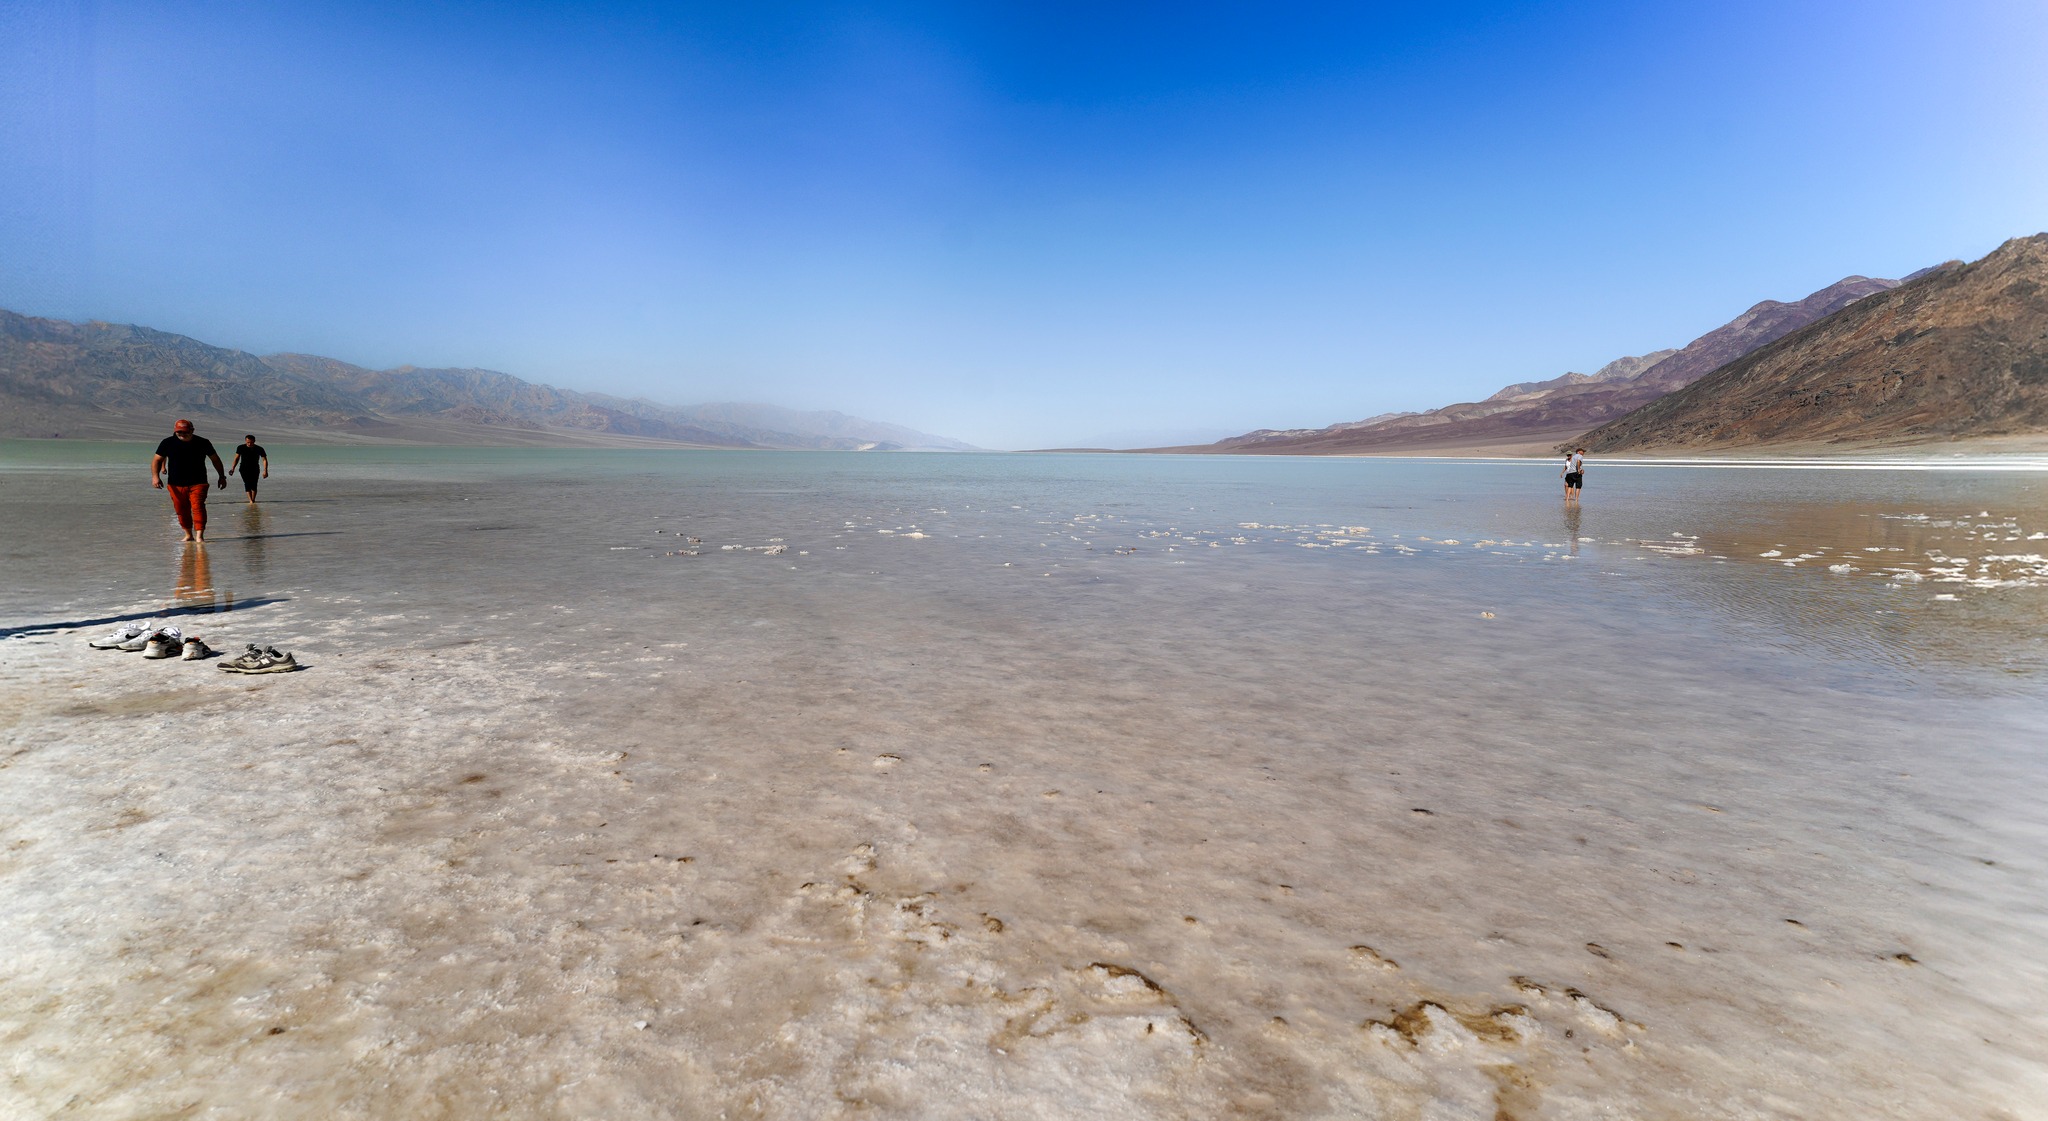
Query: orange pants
{"x": 190, "y": 505}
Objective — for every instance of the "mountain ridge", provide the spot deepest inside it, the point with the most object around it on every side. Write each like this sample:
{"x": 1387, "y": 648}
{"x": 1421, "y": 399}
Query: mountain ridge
{"x": 1531, "y": 415}
{"x": 107, "y": 378}
{"x": 1957, "y": 351}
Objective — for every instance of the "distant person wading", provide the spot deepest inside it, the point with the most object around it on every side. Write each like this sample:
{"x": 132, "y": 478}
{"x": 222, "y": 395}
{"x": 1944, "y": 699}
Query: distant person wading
{"x": 1574, "y": 475}
{"x": 182, "y": 456}
{"x": 249, "y": 459}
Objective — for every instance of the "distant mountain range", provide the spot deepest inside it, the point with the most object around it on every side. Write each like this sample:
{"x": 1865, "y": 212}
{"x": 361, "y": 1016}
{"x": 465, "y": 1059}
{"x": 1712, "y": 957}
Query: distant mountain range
{"x": 1529, "y": 417}
{"x": 109, "y": 380}
{"x": 1960, "y": 351}
{"x": 1956, "y": 351}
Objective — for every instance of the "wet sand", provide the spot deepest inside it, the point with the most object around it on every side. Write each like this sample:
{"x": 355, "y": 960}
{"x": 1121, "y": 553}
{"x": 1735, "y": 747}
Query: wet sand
{"x": 1387, "y": 802}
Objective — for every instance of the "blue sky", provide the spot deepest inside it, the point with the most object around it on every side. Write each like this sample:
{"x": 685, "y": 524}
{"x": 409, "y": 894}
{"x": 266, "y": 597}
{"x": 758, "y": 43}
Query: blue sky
{"x": 1024, "y": 224}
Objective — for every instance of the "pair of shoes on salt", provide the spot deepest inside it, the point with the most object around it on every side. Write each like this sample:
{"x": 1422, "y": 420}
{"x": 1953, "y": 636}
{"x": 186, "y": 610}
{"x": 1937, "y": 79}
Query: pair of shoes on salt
{"x": 260, "y": 660}
{"x": 168, "y": 644}
{"x": 154, "y": 642}
{"x": 160, "y": 642}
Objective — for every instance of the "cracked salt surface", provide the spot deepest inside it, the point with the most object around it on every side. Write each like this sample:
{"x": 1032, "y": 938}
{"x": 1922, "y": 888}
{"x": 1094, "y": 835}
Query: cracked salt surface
{"x": 901, "y": 831}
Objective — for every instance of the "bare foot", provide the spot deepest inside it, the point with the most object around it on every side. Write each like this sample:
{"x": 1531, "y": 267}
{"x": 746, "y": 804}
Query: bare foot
{"x": 189, "y": 537}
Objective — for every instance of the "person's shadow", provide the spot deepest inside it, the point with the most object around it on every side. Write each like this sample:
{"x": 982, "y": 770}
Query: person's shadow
{"x": 193, "y": 594}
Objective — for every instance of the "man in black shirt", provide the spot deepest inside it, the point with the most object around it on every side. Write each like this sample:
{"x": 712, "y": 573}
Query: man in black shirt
{"x": 185, "y": 453}
{"x": 247, "y": 456}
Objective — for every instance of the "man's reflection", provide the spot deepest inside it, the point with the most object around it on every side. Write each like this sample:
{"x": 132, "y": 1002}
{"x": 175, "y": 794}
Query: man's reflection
{"x": 253, "y": 540}
{"x": 1571, "y": 527}
{"x": 195, "y": 589}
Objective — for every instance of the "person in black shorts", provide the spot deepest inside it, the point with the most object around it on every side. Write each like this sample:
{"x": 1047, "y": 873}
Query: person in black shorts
{"x": 1574, "y": 475}
{"x": 249, "y": 456}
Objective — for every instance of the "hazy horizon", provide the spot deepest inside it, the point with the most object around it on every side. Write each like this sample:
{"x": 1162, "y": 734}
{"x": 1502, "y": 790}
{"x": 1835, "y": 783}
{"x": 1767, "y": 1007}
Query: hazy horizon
{"x": 1018, "y": 226}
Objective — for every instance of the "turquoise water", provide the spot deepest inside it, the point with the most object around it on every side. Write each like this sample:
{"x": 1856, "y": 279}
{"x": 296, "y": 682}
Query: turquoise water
{"x": 1759, "y": 549}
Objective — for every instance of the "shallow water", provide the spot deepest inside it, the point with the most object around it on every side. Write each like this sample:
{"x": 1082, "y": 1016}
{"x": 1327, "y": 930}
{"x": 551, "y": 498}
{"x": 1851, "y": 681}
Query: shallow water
{"x": 1017, "y": 786}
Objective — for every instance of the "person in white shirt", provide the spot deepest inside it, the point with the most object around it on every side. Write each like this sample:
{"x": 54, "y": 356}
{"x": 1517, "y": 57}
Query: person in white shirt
{"x": 1574, "y": 474}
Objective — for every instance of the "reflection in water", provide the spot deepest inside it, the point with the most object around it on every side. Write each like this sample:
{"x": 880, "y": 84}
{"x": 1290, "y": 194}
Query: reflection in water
{"x": 195, "y": 589}
{"x": 1914, "y": 585}
{"x": 253, "y": 538}
{"x": 1571, "y": 528}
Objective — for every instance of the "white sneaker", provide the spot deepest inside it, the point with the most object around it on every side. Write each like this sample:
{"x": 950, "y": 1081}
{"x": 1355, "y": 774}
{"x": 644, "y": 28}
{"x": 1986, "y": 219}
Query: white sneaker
{"x": 159, "y": 643}
{"x": 113, "y": 639}
{"x": 197, "y": 651}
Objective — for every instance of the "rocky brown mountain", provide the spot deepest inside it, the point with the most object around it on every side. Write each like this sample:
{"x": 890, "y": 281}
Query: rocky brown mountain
{"x": 106, "y": 379}
{"x": 1961, "y": 350}
{"x": 1531, "y": 415}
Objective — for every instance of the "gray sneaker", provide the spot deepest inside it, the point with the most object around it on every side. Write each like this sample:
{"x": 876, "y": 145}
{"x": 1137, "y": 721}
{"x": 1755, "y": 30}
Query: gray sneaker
{"x": 197, "y": 651}
{"x": 273, "y": 662}
{"x": 241, "y": 662}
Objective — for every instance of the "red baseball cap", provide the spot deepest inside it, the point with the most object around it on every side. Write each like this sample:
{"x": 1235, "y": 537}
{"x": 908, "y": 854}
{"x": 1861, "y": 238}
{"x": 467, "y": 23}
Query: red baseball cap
{"x": 182, "y": 426}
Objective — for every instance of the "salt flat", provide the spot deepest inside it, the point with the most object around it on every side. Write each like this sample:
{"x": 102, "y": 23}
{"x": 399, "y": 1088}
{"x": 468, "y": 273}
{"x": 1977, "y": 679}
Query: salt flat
{"x": 1014, "y": 787}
